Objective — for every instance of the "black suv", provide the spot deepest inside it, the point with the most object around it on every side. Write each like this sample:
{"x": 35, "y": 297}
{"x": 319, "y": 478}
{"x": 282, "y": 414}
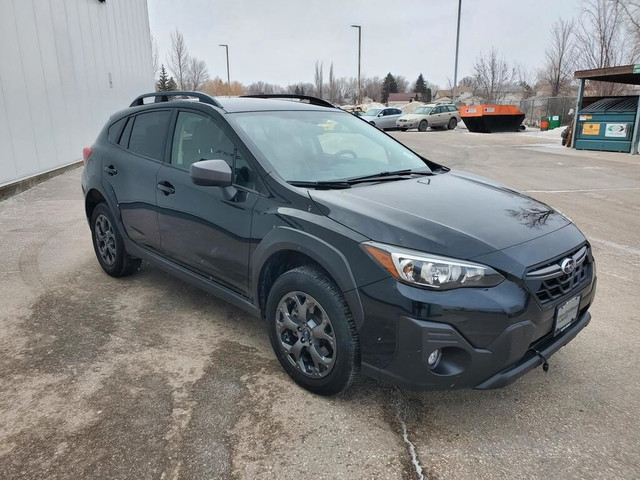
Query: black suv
{"x": 361, "y": 255}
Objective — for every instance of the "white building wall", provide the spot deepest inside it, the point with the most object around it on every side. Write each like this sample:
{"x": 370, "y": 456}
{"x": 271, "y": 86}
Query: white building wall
{"x": 65, "y": 67}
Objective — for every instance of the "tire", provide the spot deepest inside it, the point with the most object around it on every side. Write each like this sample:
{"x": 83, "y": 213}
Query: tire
{"x": 109, "y": 246}
{"x": 453, "y": 123}
{"x": 295, "y": 340}
{"x": 404, "y": 129}
{"x": 372, "y": 123}
{"x": 422, "y": 126}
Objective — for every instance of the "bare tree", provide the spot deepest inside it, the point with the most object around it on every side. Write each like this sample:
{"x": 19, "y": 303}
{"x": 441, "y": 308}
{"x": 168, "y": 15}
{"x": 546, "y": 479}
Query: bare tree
{"x": 317, "y": 79}
{"x": 197, "y": 74}
{"x": 346, "y": 89}
{"x": 526, "y": 80}
{"x": 559, "y": 58}
{"x": 492, "y": 75}
{"x": 601, "y": 36}
{"x": 631, "y": 9}
{"x": 402, "y": 83}
{"x": 263, "y": 88}
{"x": 154, "y": 56}
{"x": 466, "y": 82}
{"x": 372, "y": 88}
{"x": 333, "y": 94}
{"x": 178, "y": 59}
{"x": 218, "y": 87}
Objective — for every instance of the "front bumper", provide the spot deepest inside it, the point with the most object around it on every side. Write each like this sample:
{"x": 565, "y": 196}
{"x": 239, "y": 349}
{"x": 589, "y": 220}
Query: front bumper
{"x": 487, "y": 337}
{"x": 407, "y": 124}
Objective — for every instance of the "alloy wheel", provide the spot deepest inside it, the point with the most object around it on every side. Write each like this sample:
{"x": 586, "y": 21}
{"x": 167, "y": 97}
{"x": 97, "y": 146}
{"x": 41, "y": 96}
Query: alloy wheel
{"x": 105, "y": 239}
{"x": 305, "y": 334}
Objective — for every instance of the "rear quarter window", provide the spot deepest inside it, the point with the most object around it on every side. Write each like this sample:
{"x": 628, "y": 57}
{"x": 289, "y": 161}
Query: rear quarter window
{"x": 115, "y": 129}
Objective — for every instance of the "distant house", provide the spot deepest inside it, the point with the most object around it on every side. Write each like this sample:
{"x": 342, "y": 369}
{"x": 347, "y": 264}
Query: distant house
{"x": 463, "y": 94}
{"x": 399, "y": 99}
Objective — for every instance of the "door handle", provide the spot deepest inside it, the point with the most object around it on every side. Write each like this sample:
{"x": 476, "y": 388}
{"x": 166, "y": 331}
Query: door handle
{"x": 166, "y": 188}
{"x": 111, "y": 170}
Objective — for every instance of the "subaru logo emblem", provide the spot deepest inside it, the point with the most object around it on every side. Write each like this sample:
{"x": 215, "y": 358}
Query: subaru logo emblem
{"x": 568, "y": 265}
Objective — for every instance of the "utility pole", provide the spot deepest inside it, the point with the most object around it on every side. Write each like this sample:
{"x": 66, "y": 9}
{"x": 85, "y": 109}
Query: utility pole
{"x": 455, "y": 71}
{"x": 358, "y": 99}
{"x": 228, "y": 76}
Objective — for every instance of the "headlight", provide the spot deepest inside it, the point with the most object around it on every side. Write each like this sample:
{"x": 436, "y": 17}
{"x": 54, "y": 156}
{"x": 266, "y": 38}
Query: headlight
{"x": 431, "y": 271}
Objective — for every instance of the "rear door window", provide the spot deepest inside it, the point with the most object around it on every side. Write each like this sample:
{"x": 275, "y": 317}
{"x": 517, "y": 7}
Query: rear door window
{"x": 149, "y": 134}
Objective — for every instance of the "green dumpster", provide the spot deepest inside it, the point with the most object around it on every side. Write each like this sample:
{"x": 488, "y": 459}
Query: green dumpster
{"x": 555, "y": 121}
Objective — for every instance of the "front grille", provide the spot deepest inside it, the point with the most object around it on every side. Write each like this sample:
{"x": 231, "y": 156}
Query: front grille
{"x": 549, "y": 282}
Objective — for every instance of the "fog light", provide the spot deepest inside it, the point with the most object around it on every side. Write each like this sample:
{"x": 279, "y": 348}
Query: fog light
{"x": 434, "y": 358}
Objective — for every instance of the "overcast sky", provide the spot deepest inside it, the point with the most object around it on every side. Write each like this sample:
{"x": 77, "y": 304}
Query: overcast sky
{"x": 279, "y": 41}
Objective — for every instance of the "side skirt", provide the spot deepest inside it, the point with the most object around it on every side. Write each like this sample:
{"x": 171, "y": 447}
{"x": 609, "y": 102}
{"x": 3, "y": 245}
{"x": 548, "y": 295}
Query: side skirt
{"x": 199, "y": 281}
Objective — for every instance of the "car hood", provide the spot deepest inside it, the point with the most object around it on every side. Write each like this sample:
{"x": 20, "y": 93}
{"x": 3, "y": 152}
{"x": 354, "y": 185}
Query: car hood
{"x": 454, "y": 214}
{"x": 412, "y": 116}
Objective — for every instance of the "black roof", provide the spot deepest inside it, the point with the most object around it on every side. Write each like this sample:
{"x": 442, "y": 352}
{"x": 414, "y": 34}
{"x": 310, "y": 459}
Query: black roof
{"x": 248, "y": 104}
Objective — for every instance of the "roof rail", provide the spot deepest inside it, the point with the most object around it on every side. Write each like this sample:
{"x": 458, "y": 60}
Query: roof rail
{"x": 166, "y": 96}
{"x": 302, "y": 98}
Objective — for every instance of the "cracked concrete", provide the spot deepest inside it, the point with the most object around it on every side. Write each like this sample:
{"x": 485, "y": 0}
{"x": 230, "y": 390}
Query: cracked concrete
{"x": 146, "y": 377}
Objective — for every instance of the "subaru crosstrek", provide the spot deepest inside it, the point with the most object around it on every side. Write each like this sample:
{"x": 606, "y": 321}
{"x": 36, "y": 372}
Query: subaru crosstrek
{"x": 360, "y": 254}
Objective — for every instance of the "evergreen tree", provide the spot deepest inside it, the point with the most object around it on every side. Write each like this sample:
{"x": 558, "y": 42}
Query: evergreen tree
{"x": 297, "y": 90}
{"x": 163, "y": 82}
{"x": 389, "y": 85}
{"x": 171, "y": 85}
{"x": 421, "y": 89}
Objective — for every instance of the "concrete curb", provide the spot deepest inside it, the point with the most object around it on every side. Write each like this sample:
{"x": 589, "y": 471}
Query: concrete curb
{"x": 20, "y": 186}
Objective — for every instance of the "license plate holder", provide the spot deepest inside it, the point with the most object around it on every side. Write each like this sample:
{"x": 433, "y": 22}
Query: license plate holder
{"x": 566, "y": 314}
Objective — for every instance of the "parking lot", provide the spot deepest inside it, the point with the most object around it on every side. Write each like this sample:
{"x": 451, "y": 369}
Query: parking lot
{"x": 146, "y": 377}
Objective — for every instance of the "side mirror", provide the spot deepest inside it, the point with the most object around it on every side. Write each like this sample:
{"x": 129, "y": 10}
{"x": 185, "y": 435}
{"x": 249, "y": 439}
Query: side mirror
{"x": 211, "y": 173}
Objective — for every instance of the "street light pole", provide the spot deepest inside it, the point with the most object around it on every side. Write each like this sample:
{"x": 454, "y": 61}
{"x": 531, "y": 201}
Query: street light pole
{"x": 455, "y": 71}
{"x": 226, "y": 47}
{"x": 358, "y": 99}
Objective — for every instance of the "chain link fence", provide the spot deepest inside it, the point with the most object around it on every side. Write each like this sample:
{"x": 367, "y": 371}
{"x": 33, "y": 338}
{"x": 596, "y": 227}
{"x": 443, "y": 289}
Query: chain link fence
{"x": 535, "y": 108}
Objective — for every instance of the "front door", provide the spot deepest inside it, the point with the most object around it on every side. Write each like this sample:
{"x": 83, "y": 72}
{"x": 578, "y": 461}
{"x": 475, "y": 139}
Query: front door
{"x": 206, "y": 229}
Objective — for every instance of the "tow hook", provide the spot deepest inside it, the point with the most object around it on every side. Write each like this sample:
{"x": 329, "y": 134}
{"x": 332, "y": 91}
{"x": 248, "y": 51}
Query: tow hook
{"x": 545, "y": 364}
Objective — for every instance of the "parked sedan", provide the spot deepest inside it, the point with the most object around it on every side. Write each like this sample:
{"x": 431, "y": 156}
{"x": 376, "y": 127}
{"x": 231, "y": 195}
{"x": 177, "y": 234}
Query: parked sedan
{"x": 383, "y": 118}
{"x": 430, "y": 115}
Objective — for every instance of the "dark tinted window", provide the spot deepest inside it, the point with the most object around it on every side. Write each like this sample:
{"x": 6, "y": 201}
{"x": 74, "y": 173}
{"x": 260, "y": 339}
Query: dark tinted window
{"x": 149, "y": 134}
{"x": 397, "y": 111}
{"x": 115, "y": 129}
{"x": 124, "y": 138}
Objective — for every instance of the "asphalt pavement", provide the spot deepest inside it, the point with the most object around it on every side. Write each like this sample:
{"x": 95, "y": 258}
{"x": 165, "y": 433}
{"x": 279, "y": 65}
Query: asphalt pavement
{"x": 146, "y": 377}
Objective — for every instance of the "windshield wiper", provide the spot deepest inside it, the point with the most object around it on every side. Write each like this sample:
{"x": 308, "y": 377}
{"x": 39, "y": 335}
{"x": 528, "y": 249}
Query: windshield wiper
{"x": 323, "y": 185}
{"x": 382, "y": 175}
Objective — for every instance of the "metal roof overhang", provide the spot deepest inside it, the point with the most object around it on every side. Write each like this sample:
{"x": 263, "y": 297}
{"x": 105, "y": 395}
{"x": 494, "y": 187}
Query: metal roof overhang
{"x": 623, "y": 74}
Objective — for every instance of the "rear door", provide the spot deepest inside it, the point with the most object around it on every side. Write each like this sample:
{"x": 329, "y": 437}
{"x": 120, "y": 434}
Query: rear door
{"x": 207, "y": 229}
{"x": 436, "y": 117}
{"x": 130, "y": 168}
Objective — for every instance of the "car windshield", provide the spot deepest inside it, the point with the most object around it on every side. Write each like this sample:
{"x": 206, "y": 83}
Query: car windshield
{"x": 318, "y": 146}
{"x": 423, "y": 110}
{"x": 372, "y": 113}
